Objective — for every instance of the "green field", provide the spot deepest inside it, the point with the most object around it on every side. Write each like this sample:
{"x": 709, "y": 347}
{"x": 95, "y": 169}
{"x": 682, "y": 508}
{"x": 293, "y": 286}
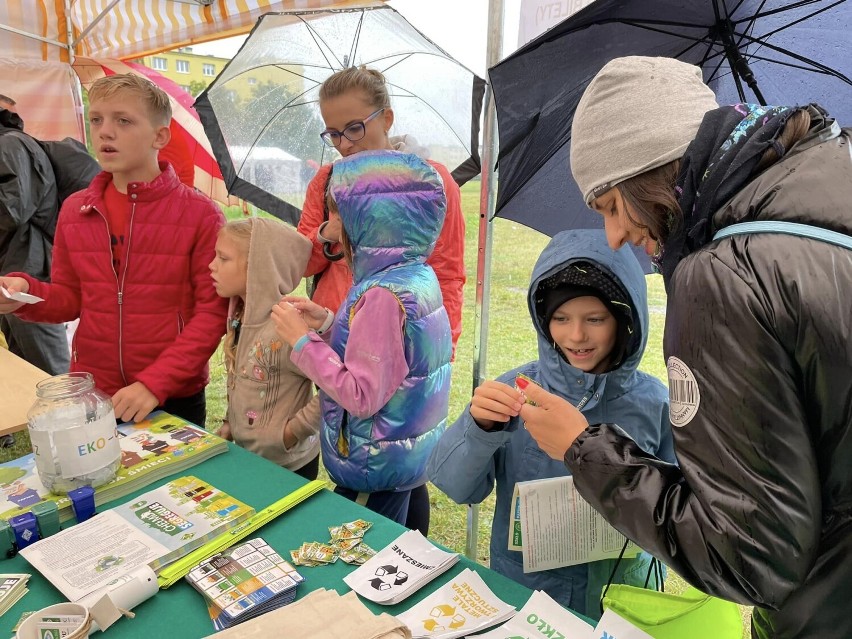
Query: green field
{"x": 511, "y": 342}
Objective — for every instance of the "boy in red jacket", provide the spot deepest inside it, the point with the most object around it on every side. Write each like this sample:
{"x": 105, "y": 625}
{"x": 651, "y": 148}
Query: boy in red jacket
{"x": 130, "y": 260}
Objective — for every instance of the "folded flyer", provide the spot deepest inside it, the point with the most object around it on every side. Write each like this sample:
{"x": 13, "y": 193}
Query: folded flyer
{"x": 542, "y": 617}
{"x": 462, "y": 606}
{"x": 400, "y": 569}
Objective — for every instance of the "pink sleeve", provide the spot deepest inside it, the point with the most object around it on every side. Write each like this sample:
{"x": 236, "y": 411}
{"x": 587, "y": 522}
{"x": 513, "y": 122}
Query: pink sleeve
{"x": 373, "y": 365}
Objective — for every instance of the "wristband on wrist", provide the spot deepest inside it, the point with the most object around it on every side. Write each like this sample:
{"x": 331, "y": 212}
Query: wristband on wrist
{"x": 329, "y": 320}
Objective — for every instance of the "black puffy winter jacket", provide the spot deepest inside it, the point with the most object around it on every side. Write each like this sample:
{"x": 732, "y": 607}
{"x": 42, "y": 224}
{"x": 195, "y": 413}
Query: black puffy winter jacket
{"x": 759, "y": 353}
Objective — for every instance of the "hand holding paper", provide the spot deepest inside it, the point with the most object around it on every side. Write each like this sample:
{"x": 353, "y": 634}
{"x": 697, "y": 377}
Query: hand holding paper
{"x": 494, "y": 402}
{"x": 14, "y": 294}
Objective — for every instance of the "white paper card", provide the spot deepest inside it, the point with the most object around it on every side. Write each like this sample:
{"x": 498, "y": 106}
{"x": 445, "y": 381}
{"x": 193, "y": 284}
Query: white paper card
{"x": 400, "y": 569}
{"x": 613, "y": 626}
{"x": 559, "y": 528}
{"x": 462, "y": 606}
{"x": 26, "y": 298}
{"x": 541, "y": 618}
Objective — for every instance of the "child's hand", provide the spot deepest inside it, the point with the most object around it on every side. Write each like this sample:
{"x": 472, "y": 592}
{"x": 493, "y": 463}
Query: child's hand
{"x": 290, "y": 439}
{"x": 134, "y": 402}
{"x": 312, "y": 313}
{"x": 288, "y": 321}
{"x": 13, "y": 285}
{"x": 553, "y": 422}
{"x": 494, "y": 402}
{"x": 225, "y": 430}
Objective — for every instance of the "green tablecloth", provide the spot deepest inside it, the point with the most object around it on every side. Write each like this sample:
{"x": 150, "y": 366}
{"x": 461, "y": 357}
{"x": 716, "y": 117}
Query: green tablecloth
{"x": 179, "y": 612}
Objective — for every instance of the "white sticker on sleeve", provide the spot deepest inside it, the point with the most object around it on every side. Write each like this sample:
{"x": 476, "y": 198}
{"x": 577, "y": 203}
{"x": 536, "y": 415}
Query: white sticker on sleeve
{"x": 684, "y": 397}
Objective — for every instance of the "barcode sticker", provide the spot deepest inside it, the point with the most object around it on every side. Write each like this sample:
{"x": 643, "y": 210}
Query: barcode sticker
{"x": 684, "y": 396}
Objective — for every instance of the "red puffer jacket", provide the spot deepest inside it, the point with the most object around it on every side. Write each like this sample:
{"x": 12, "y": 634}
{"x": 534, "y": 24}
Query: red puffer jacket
{"x": 159, "y": 320}
{"x": 447, "y": 259}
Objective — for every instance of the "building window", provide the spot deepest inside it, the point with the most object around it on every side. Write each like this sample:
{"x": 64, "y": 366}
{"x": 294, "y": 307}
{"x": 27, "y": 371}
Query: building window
{"x": 209, "y": 69}
{"x": 182, "y": 66}
{"x": 159, "y": 64}
{"x": 252, "y": 81}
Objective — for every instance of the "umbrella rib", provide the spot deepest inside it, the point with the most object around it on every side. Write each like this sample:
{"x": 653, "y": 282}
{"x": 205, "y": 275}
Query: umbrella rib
{"x": 801, "y": 58}
{"x": 440, "y": 117}
{"x": 788, "y": 64}
{"x": 400, "y": 61}
{"x": 802, "y": 19}
{"x": 317, "y": 40}
{"x": 356, "y": 40}
{"x": 408, "y": 54}
{"x": 795, "y": 5}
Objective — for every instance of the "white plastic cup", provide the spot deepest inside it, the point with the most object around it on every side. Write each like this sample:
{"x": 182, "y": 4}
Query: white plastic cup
{"x": 28, "y": 628}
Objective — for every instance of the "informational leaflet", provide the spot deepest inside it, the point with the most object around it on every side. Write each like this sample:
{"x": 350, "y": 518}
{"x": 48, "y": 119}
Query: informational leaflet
{"x": 559, "y": 528}
{"x": 462, "y": 606}
{"x": 89, "y": 556}
{"x": 542, "y": 618}
{"x": 400, "y": 569}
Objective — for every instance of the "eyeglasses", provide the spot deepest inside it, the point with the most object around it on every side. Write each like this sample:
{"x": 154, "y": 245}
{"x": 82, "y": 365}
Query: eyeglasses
{"x": 354, "y": 132}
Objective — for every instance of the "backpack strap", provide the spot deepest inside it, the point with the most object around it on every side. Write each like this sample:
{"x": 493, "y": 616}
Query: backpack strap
{"x": 787, "y": 228}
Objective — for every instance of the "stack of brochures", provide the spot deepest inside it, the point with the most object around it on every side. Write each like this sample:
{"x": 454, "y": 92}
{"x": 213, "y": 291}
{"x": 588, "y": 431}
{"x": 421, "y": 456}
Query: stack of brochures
{"x": 154, "y": 529}
{"x": 461, "y": 607}
{"x": 12, "y": 588}
{"x": 400, "y": 569}
{"x": 244, "y": 582}
{"x": 155, "y": 448}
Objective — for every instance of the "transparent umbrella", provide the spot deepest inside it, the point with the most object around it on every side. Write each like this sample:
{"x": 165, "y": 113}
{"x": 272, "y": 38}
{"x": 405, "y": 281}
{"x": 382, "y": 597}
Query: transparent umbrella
{"x": 262, "y": 115}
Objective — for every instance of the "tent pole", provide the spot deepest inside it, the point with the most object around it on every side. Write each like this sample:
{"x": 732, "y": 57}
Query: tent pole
{"x": 487, "y": 201}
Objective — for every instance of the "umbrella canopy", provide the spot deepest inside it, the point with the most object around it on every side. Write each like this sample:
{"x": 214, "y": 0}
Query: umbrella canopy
{"x": 262, "y": 112}
{"x": 770, "y": 51}
{"x": 189, "y": 150}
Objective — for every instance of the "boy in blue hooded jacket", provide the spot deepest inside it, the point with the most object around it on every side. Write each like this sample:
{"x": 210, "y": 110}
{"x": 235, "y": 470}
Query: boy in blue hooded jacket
{"x": 590, "y": 310}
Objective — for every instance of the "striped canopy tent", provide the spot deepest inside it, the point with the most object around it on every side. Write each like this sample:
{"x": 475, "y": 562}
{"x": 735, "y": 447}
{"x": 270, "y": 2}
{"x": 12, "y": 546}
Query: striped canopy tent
{"x": 40, "y": 39}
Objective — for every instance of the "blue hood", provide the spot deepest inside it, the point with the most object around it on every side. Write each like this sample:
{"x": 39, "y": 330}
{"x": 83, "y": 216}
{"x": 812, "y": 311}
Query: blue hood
{"x": 564, "y": 249}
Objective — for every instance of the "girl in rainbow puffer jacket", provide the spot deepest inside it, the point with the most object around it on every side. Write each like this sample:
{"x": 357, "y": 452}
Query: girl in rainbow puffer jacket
{"x": 384, "y": 373}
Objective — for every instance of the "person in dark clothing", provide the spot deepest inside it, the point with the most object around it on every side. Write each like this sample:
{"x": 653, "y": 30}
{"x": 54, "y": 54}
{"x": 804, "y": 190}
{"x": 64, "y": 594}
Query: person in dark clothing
{"x": 759, "y": 510}
{"x": 29, "y": 207}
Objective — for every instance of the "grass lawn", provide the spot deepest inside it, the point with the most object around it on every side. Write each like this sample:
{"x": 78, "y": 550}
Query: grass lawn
{"x": 511, "y": 343}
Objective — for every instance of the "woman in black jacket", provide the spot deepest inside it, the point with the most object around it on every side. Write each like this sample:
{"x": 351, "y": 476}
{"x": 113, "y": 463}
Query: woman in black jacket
{"x": 756, "y": 342}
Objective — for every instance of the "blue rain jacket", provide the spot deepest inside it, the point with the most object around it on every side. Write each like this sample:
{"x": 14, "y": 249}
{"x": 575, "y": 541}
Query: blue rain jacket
{"x": 468, "y": 461}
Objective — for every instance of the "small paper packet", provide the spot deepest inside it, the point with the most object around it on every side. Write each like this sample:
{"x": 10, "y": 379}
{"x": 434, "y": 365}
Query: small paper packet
{"x": 530, "y": 380}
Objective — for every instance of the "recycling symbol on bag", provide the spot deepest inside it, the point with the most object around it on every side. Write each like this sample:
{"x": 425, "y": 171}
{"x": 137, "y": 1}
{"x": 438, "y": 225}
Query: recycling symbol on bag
{"x": 387, "y": 577}
{"x": 437, "y": 621}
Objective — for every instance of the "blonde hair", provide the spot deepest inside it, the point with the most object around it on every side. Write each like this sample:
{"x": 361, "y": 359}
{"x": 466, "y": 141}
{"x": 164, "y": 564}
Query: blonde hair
{"x": 368, "y": 81}
{"x": 240, "y": 232}
{"x": 153, "y": 97}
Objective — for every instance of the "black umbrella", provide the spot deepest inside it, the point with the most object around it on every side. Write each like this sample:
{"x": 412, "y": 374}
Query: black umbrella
{"x": 766, "y": 51}
{"x": 262, "y": 116}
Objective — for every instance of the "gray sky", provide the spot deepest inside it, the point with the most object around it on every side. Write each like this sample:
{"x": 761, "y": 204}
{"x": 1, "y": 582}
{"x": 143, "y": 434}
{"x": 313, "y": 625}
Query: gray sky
{"x": 457, "y": 26}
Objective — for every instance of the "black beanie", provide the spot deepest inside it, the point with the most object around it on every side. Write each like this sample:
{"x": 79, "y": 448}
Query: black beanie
{"x": 581, "y": 279}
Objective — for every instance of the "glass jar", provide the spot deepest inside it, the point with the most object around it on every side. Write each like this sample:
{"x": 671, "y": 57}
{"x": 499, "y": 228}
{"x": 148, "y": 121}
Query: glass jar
{"x": 72, "y": 428}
